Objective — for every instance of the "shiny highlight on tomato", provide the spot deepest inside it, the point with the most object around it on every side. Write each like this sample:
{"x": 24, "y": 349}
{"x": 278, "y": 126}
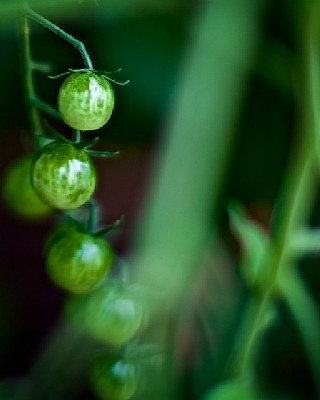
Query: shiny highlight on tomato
{"x": 78, "y": 261}
{"x": 63, "y": 176}
{"x": 85, "y": 101}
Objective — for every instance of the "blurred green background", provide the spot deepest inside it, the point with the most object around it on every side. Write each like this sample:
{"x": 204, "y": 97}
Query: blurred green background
{"x": 150, "y": 40}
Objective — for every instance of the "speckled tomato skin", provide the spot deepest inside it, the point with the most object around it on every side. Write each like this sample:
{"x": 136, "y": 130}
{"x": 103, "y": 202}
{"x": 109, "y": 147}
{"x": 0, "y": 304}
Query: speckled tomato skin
{"x": 63, "y": 176}
{"x": 116, "y": 379}
{"x": 85, "y": 101}
{"x": 78, "y": 261}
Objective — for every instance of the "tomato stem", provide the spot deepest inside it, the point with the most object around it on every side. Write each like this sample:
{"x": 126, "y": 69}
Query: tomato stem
{"x": 64, "y": 35}
{"x": 46, "y": 108}
{"x": 292, "y": 214}
{"x": 76, "y": 136}
{"x": 56, "y": 135}
{"x": 92, "y": 219}
{"x": 97, "y": 153}
{"x": 28, "y": 78}
{"x": 110, "y": 227}
{"x": 39, "y": 66}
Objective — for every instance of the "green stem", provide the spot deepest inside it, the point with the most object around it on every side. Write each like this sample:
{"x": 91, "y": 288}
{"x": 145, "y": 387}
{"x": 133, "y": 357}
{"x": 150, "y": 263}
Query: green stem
{"x": 42, "y": 67}
{"x": 248, "y": 337}
{"x": 305, "y": 241}
{"x": 109, "y": 228}
{"x": 92, "y": 219}
{"x": 292, "y": 213}
{"x": 305, "y": 313}
{"x": 76, "y": 136}
{"x": 64, "y": 35}
{"x": 28, "y": 77}
{"x": 46, "y": 108}
{"x": 97, "y": 153}
{"x": 293, "y": 210}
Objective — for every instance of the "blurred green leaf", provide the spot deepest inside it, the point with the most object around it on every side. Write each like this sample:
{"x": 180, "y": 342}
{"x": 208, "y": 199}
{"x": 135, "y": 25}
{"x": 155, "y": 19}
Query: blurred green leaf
{"x": 253, "y": 241}
{"x": 177, "y": 219}
{"x": 305, "y": 241}
{"x": 232, "y": 390}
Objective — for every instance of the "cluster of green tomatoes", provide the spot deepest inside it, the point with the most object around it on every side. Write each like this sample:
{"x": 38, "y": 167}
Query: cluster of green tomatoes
{"x": 61, "y": 175}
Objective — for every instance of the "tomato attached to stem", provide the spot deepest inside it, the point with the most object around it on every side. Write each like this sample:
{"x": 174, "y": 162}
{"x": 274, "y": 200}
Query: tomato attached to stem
{"x": 77, "y": 261}
{"x": 85, "y": 101}
{"x": 63, "y": 176}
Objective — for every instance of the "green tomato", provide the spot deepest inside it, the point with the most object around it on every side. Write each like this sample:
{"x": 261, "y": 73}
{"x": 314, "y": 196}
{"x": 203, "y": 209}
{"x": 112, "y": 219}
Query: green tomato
{"x": 113, "y": 314}
{"x": 85, "y": 101}
{"x": 78, "y": 261}
{"x": 18, "y": 193}
{"x": 231, "y": 390}
{"x": 63, "y": 176}
{"x": 59, "y": 231}
{"x": 114, "y": 379}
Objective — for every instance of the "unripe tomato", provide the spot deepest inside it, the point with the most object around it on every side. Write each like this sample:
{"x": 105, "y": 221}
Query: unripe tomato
{"x": 78, "y": 261}
{"x": 113, "y": 314}
{"x": 114, "y": 379}
{"x": 18, "y": 193}
{"x": 85, "y": 101}
{"x": 59, "y": 231}
{"x": 63, "y": 176}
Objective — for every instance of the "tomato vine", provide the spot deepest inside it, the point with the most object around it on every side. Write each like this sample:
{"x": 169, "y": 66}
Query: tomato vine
{"x": 60, "y": 175}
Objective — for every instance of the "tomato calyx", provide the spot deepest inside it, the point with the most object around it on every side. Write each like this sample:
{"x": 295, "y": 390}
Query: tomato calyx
{"x": 79, "y": 144}
{"x": 87, "y": 226}
{"x": 109, "y": 228}
{"x": 103, "y": 73}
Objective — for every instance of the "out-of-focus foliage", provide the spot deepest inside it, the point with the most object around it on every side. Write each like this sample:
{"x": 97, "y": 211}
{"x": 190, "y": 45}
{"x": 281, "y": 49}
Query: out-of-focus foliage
{"x": 153, "y": 41}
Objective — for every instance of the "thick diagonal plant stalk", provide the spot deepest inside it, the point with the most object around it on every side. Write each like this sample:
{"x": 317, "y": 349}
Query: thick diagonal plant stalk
{"x": 177, "y": 223}
{"x": 174, "y": 229}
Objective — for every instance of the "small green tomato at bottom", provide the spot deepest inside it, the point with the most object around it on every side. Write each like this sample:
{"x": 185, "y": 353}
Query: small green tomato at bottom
{"x": 18, "y": 193}
{"x": 62, "y": 175}
{"x": 114, "y": 379}
{"x": 85, "y": 101}
{"x": 113, "y": 314}
{"x": 78, "y": 261}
